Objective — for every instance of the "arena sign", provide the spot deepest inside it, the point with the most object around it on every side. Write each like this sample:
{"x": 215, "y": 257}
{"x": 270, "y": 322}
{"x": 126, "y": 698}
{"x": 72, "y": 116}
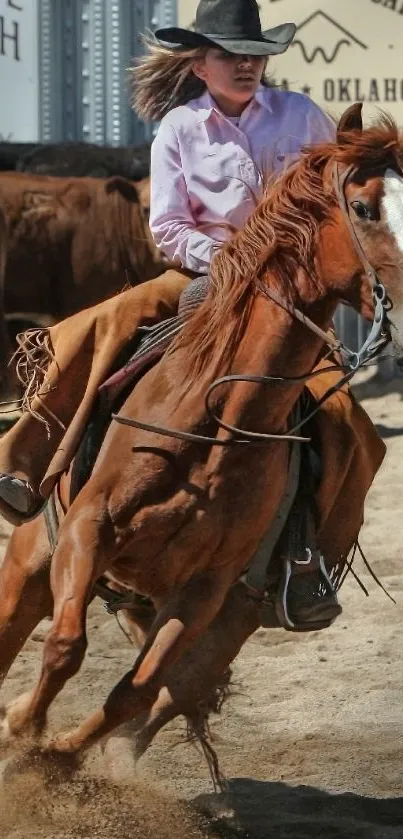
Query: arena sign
{"x": 344, "y": 51}
{"x": 19, "y": 72}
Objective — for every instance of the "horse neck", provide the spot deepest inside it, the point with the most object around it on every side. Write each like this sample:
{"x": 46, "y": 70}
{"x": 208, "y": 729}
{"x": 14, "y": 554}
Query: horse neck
{"x": 274, "y": 344}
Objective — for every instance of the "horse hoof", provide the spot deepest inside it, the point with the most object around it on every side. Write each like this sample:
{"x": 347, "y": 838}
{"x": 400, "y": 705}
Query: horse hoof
{"x": 5, "y": 731}
{"x": 14, "y": 721}
{"x": 8, "y": 739}
{"x": 62, "y": 744}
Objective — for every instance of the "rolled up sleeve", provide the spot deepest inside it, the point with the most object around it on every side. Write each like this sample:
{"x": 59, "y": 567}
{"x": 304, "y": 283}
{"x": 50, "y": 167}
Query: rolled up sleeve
{"x": 171, "y": 221}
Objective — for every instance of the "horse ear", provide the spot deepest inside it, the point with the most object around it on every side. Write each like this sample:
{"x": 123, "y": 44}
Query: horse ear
{"x": 351, "y": 120}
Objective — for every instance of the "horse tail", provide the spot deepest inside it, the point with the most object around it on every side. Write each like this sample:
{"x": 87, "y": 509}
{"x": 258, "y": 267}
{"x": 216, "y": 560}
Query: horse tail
{"x": 198, "y": 728}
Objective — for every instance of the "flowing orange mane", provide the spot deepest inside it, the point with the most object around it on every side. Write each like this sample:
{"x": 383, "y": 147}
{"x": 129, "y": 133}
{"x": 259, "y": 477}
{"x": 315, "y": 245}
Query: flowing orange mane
{"x": 278, "y": 238}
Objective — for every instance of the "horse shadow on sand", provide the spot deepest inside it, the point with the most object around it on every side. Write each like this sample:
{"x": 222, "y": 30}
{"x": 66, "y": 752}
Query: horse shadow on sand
{"x": 262, "y": 810}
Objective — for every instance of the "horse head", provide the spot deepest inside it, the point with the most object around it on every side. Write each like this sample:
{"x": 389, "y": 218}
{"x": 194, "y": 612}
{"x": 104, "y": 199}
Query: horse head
{"x": 364, "y": 174}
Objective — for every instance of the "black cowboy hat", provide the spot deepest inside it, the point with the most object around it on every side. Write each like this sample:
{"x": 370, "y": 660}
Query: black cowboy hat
{"x": 233, "y": 25}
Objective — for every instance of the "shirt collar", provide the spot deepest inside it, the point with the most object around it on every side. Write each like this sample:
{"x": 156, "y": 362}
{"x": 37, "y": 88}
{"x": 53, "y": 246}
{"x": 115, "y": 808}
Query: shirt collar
{"x": 205, "y": 105}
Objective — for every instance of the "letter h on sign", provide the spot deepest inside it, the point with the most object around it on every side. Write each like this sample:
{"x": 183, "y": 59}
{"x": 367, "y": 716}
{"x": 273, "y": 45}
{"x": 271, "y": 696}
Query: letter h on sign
{"x": 6, "y": 36}
{"x": 12, "y": 36}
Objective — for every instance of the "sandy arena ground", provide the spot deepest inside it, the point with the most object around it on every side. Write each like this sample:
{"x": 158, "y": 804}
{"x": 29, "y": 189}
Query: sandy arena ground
{"x": 311, "y": 742}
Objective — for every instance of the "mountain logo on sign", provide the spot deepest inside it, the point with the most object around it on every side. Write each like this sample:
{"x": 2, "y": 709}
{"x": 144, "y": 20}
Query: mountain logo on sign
{"x": 320, "y": 28}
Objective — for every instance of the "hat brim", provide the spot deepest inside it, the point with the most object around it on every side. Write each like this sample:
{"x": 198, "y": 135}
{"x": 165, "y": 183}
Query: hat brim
{"x": 273, "y": 41}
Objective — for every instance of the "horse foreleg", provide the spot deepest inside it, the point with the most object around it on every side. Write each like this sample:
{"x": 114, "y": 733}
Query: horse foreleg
{"x": 25, "y": 600}
{"x": 25, "y": 590}
{"x": 72, "y": 576}
{"x": 177, "y": 626}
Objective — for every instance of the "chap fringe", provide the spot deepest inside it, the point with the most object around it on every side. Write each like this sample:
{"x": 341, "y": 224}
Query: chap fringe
{"x": 32, "y": 360}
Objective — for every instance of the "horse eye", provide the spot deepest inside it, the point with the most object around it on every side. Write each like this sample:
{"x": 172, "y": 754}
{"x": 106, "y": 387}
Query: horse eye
{"x": 361, "y": 210}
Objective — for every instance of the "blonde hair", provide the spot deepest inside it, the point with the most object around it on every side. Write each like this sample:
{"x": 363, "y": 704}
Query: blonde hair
{"x": 163, "y": 78}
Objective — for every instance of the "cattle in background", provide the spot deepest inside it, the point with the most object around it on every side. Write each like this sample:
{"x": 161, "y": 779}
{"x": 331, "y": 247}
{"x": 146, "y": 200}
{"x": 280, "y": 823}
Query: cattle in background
{"x": 74, "y": 242}
{"x": 11, "y": 153}
{"x": 77, "y": 160}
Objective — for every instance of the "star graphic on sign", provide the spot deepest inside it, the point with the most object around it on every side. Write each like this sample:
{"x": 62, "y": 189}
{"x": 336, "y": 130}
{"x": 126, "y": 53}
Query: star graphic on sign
{"x": 306, "y": 89}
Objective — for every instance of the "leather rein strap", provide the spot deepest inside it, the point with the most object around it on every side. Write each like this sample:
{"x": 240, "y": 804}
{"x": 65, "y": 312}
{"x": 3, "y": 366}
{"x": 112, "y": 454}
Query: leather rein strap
{"x": 376, "y": 339}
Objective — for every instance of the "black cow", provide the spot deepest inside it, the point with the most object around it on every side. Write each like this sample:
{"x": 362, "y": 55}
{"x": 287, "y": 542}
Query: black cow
{"x": 77, "y": 159}
{"x": 10, "y": 154}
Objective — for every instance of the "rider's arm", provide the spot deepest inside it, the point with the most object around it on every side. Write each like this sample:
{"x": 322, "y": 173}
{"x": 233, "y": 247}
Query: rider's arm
{"x": 171, "y": 221}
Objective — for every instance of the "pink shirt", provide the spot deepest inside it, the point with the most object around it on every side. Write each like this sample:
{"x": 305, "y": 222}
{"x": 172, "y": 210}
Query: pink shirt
{"x": 205, "y": 169}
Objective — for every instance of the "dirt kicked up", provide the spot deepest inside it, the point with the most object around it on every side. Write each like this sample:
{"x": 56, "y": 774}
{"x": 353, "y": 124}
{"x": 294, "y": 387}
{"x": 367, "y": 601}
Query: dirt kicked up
{"x": 90, "y": 808}
{"x": 311, "y": 741}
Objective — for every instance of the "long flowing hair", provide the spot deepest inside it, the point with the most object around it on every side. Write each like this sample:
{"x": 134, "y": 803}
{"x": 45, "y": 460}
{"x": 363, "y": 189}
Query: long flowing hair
{"x": 163, "y": 78}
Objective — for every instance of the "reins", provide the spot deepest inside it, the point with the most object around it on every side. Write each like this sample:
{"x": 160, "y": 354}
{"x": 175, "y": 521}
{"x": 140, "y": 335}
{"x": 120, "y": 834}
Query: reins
{"x": 355, "y": 360}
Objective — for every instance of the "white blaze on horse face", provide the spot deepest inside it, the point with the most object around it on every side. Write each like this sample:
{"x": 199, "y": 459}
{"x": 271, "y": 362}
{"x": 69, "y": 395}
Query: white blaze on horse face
{"x": 392, "y": 203}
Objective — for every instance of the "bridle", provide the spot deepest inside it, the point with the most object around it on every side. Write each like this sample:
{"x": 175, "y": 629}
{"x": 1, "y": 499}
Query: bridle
{"x": 377, "y": 336}
{"x": 376, "y": 339}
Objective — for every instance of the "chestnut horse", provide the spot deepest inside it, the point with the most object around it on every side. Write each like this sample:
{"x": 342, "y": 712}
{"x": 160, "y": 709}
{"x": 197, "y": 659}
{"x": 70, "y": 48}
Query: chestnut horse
{"x": 178, "y": 520}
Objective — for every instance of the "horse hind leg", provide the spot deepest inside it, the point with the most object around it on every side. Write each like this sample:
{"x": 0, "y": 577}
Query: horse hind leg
{"x": 195, "y": 685}
{"x": 179, "y": 623}
{"x": 119, "y": 749}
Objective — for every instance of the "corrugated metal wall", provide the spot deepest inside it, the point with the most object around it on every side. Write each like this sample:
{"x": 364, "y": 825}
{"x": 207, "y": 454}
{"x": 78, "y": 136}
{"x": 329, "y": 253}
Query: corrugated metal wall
{"x": 85, "y": 48}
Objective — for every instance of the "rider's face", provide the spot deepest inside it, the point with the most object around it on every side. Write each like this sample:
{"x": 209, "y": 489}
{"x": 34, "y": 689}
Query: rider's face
{"x": 231, "y": 79}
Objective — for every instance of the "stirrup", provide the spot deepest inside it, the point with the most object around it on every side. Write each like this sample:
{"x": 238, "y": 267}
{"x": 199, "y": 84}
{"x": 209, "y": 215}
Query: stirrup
{"x": 322, "y": 613}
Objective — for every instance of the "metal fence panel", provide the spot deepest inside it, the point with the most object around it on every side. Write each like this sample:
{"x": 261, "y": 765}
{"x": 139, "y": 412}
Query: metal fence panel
{"x": 85, "y": 48}
{"x": 351, "y": 328}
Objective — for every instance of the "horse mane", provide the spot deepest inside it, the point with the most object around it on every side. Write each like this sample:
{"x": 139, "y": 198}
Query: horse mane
{"x": 277, "y": 239}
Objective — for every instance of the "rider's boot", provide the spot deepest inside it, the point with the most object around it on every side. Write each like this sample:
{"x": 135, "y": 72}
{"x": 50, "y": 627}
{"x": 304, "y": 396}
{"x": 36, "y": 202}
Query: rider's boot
{"x": 23, "y": 463}
{"x": 19, "y": 502}
{"x": 306, "y": 597}
{"x": 17, "y": 492}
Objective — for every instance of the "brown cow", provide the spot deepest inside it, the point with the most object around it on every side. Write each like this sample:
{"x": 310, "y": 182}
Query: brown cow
{"x": 74, "y": 241}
